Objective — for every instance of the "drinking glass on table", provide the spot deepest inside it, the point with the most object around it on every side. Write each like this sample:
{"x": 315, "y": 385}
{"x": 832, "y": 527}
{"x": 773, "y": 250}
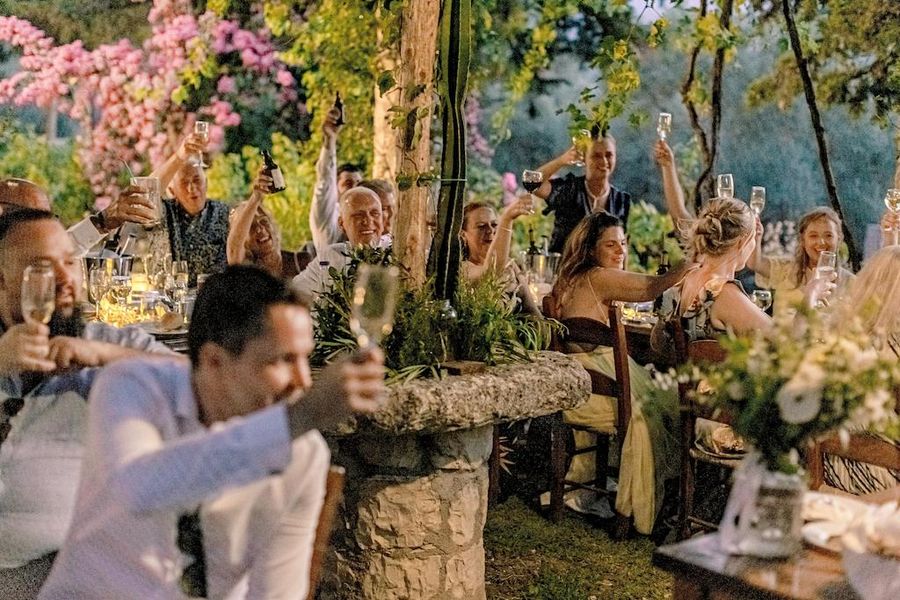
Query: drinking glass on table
{"x": 120, "y": 286}
{"x": 664, "y": 126}
{"x": 98, "y": 286}
{"x": 757, "y": 199}
{"x": 180, "y": 271}
{"x": 373, "y": 303}
{"x": 531, "y": 181}
{"x": 38, "y": 292}
{"x": 725, "y": 185}
{"x": 581, "y": 141}
{"x": 201, "y": 129}
{"x": 762, "y": 299}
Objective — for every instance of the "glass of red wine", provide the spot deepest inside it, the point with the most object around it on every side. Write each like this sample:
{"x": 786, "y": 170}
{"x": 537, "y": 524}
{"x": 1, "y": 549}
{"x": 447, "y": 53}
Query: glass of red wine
{"x": 531, "y": 181}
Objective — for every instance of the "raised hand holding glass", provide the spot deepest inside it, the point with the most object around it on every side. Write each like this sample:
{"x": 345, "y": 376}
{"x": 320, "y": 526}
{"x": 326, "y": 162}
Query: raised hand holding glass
{"x": 373, "y": 303}
{"x": 38, "y": 292}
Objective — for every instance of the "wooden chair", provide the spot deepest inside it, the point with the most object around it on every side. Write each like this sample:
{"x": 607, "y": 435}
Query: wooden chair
{"x": 700, "y": 351}
{"x": 862, "y": 447}
{"x": 334, "y": 488}
{"x": 595, "y": 333}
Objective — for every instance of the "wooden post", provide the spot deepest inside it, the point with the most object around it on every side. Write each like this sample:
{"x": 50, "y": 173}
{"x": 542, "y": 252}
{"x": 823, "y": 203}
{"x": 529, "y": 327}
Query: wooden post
{"x": 386, "y": 139}
{"x": 415, "y": 79}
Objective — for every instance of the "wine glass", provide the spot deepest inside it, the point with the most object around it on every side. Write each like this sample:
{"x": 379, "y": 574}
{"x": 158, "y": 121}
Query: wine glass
{"x": 120, "y": 286}
{"x": 181, "y": 273}
{"x": 827, "y": 264}
{"x": 762, "y": 299}
{"x": 531, "y": 181}
{"x": 892, "y": 200}
{"x": 725, "y": 186}
{"x": 201, "y": 129}
{"x": 374, "y": 300}
{"x": 582, "y": 143}
{"x": 38, "y": 292}
{"x": 664, "y": 126}
{"x": 757, "y": 199}
{"x": 98, "y": 286}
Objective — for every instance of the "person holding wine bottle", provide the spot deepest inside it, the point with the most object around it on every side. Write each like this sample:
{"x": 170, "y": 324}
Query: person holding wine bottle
{"x": 254, "y": 237}
{"x": 229, "y": 441}
{"x": 361, "y": 221}
{"x": 792, "y": 279}
{"x": 331, "y": 183}
{"x": 46, "y": 371}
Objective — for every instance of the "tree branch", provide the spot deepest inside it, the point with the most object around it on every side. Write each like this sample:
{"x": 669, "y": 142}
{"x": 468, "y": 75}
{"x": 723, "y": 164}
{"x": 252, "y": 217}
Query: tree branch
{"x": 810, "y": 93}
{"x": 694, "y": 115}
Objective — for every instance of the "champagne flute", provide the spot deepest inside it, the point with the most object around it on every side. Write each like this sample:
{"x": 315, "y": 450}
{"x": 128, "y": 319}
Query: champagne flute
{"x": 181, "y": 273}
{"x": 120, "y": 287}
{"x": 98, "y": 285}
{"x": 827, "y": 264}
{"x": 38, "y": 292}
{"x": 757, "y": 199}
{"x": 664, "y": 126}
{"x": 725, "y": 186}
{"x": 762, "y": 299}
{"x": 201, "y": 129}
{"x": 374, "y": 301}
{"x": 582, "y": 143}
{"x": 892, "y": 200}
{"x": 531, "y": 181}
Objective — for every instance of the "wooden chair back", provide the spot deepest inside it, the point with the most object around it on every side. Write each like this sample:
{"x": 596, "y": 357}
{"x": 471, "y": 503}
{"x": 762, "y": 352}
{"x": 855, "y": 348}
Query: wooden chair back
{"x": 334, "y": 490}
{"x": 862, "y": 447}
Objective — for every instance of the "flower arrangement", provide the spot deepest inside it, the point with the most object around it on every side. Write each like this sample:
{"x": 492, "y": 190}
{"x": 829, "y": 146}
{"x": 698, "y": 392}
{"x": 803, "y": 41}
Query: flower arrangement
{"x": 482, "y": 324}
{"x": 796, "y": 383}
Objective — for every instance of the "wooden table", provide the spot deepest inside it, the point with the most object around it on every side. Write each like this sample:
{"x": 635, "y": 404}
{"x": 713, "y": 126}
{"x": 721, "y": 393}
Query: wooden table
{"x": 705, "y": 572}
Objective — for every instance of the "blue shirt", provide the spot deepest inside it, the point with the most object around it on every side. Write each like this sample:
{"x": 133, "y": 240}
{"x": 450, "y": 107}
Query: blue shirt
{"x": 199, "y": 239}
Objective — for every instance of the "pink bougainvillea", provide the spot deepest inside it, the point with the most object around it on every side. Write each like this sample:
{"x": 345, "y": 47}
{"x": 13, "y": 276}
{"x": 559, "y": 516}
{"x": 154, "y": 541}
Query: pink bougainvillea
{"x": 130, "y": 101}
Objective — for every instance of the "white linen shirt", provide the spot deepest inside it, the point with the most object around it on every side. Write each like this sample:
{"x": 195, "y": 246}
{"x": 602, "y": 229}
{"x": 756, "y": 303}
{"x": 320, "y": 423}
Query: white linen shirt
{"x": 40, "y": 460}
{"x": 149, "y": 459}
{"x": 315, "y": 278}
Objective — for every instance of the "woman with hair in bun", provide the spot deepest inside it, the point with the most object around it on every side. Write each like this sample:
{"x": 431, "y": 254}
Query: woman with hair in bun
{"x": 819, "y": 230}
{"x": 709, "y": 299}
{"x": 591, "y": 276}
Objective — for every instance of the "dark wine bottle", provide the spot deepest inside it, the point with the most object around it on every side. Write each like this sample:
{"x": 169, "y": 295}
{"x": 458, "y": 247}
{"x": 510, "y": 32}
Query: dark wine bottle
{"x": 274, "y": 172}
{"x": 339, "y": 104}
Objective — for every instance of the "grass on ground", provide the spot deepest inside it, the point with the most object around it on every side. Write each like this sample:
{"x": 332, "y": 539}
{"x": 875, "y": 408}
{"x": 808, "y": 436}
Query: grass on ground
{"x": 528, "y": 557}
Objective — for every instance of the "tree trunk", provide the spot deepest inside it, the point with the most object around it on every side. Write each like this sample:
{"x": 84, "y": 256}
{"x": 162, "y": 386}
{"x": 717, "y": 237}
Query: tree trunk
{"x": 386, "y": 138}
{"x": 718, "y": 68}
{"x": 415, "y": 78}
{"x": 810, "y": 93}
{"x": 695, "y": 119}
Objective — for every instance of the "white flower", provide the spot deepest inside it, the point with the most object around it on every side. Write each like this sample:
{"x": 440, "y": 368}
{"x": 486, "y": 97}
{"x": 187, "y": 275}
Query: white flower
{"x": 875, "y": 402}
{"x": 735, "y": 390}
{"x": 800, "y": 398}
{"x": 865, "y": 360}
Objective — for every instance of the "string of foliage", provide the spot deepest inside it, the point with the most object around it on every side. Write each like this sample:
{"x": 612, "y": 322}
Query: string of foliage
{"x": 486, "y": 326}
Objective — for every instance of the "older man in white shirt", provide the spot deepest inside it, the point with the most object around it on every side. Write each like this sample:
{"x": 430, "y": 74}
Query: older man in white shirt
{"x": 234, "y": 433}
{"x": 361, "y": 219}
{"x": 46, "y": 373}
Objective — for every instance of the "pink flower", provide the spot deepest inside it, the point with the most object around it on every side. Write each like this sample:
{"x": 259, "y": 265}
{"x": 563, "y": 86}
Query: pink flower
{"x": 284, "y": 78}
{"x": 226, "y": 85}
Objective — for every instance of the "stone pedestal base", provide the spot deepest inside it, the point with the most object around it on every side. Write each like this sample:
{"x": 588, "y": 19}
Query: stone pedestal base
{"x": 415, "y": 496}
{"x": 415, "y": 513}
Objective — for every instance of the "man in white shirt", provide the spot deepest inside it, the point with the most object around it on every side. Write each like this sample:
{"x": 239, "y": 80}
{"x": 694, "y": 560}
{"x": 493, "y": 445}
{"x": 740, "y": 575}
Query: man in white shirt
{"x": 361, "y": 220}
{"x": 331, "y": 183}
{"x": 46, "y": 372}
{"x": 234, "y": 433}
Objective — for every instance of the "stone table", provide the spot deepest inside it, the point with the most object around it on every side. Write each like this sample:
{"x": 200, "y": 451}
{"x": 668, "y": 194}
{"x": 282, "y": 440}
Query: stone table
{"x": 416, "y": 492}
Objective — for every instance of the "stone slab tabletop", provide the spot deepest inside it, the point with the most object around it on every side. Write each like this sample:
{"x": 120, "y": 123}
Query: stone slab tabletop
{"x": 502, "y": 393}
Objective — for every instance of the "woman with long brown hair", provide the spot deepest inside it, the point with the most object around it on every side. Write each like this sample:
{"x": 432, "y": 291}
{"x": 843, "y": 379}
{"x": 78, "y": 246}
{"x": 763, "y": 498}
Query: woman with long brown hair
{"x": 591, "y": 276}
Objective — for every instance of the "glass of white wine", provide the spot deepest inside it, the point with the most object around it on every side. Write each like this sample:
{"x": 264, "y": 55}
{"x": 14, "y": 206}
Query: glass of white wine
{"x": 725, "y": 186}
{"x": 201, "y": 129}
{"x": 38, "y": 292}
{"x": 664, "y": 126}
{"x": 582, "y": 143}
{"x": 374, "y": 301}
{"x": 757, "y": 199}
{"x": 892, "y": 200}
{"x": 98, "y": 285}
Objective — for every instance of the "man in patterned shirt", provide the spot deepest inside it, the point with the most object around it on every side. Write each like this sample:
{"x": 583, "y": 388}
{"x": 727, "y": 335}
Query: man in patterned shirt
{"x": 46, "y": 372}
